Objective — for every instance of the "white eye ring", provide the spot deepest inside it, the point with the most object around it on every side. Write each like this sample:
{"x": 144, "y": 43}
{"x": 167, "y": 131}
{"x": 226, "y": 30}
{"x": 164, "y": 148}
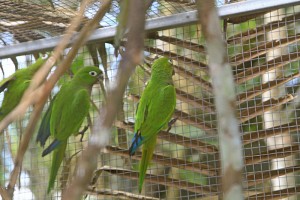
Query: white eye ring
{"x": 170, "y": 61}
{"x": 93, "y": 73}
{"x": 44, "y": 56}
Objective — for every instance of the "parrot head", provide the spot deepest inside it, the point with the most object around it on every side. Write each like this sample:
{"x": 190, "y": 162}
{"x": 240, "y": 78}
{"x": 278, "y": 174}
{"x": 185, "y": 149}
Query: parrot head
{"x": 89, "y": 75}
{"x": 163, "y": 66}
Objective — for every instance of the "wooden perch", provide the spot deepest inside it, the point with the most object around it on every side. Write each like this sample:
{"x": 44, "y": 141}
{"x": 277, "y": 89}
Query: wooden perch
{"x": 265, "y": 67}
{"x": 177, "y": 139}
{"x": 268, "y": 105}
{"x": 202, "y": 168}
{"x": 271, "y": 154}
{"x": 261, "y": 30}
{"x": 258, "y": 90}
{"x": 116, "y": 194}
{"x": 179, "y": 184}
{"x": 260, "y": 177}
{"x": 250, "y": 137}
{"x": 275, "y": 195}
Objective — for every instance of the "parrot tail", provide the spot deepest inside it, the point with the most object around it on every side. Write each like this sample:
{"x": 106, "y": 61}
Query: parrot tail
{"x": 51, "y": 147}
{"x": 147, "y": 154}
{"x": 135, "y": 143}
{"x": 57, "y": 159}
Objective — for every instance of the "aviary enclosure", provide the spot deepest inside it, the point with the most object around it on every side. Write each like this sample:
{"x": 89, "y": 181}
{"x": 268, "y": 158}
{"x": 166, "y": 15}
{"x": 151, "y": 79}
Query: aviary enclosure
{"x": 262, "y": 47}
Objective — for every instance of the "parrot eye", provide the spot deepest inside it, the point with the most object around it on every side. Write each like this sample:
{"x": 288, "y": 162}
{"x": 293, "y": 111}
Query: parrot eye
{"x": 170, "y": 61}
{"x": 93, "y": 73}
{"x": 44, "y": 56}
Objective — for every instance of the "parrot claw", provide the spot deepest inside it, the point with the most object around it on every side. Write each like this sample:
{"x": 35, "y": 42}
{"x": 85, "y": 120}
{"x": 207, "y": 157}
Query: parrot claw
{"x": 171, "y": 122}
{"x": 85, "y": 128}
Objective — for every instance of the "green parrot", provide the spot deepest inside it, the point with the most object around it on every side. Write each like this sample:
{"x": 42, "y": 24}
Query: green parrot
{"x": 15, "y": 86}
{"x": 155, "y": 109}
{"x": 65, "y": 115}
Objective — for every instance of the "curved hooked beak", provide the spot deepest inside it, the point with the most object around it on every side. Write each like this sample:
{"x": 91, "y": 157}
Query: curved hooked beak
{"x": 100, "y": 77}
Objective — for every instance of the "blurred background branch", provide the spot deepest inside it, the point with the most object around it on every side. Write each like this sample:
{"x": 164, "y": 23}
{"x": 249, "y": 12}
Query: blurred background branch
{"x": 225, "y": 98}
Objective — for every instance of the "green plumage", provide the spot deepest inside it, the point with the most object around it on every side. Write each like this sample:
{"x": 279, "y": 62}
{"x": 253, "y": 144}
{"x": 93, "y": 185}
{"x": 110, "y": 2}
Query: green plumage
{"x": 15, "y": 86}
{"x": 155, "y": 110}
{"x": 66, "y": 114}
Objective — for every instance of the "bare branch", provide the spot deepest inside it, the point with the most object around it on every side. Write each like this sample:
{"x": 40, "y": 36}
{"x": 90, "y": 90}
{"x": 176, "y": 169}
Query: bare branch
{"x": 29, "y": 96}
{"x": 103, "y": 123}
{"x": 223, "y": 88}
{"x": 39, "y": 96}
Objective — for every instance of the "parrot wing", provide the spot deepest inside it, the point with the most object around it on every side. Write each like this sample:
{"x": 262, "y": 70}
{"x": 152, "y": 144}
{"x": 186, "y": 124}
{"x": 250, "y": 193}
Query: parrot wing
{"x": 4, "y": 83}
{"x": 69, "y": 117}
{"x": 153, "y": 116}
{"x": 44, "y": 130}
{"x": 160, "y": 111}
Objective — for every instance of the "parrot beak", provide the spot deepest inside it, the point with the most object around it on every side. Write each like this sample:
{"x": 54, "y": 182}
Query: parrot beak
{"x": 100, "y": 77}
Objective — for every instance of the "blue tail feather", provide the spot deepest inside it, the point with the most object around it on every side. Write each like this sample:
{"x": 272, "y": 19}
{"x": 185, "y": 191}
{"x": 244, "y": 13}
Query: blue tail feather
{"x": 135, "y": 143}
{"x": 51, "y": 147}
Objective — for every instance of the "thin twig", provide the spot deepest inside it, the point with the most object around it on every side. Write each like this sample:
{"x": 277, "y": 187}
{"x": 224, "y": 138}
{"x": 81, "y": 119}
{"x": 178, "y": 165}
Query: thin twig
{"x": 31, "y": 97}
{"x": 167, "y": 161}
{"x": 177, "y": 139}
{"x": 180, "y": 184}
{"x": 117, "y": 194}
{"x": 42, "y": 92}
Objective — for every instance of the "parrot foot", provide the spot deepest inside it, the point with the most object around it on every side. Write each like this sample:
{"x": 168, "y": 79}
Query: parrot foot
{"x": 170, "y": 123}
{"x": 85, "y": 128}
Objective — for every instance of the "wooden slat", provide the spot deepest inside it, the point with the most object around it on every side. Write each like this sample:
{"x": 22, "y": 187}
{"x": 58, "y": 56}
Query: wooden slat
{"x": 266, "y": 106}
{"x": 179, "y": 184}
{"x": 260, "y": 177}
{"x": 274, "y": 195}
{"x": 271, "y": 154}
{"x": 258, "y": 90}
{"x": 265, "y": 67}
{"x": 261, "y": 30}
{"x": 176, "y": 139}
{"x": 186, "y": 118}
{"x": 250, "y": 137}
{"x": 202, "y": 168}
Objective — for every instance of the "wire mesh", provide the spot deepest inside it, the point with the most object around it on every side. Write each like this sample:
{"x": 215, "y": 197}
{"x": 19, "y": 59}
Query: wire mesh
{"x": 264, "y": 53}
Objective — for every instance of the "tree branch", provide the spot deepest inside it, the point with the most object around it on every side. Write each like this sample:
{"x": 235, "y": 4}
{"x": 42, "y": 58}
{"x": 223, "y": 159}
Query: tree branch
{"x": 38, "y": 94}
{"x": 223, "y": 88}
{"x": 103, "y": 123}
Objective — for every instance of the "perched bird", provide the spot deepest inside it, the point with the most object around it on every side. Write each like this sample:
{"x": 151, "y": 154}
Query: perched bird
{"x": 65, "y": 115}
{"x": 15, "y": 86}
{"x": 154, "y": 112}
